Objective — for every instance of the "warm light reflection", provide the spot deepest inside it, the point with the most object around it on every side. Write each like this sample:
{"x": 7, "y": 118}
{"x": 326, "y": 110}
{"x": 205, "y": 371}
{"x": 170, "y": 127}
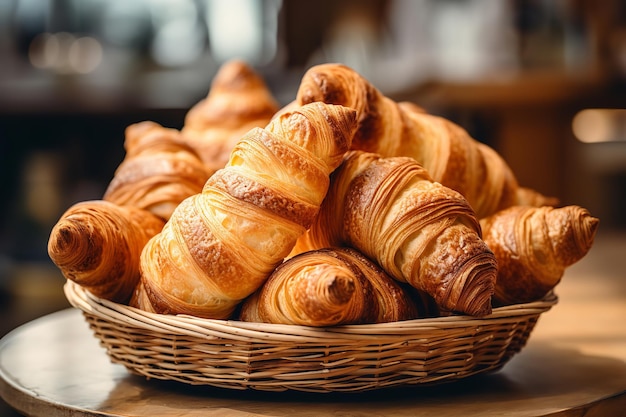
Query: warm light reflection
{"x": 245, "y": 29}
{"x": 178, "y": 38}
{"x": 235, "y": 29}
{"x": 40, "y": 51}
{"x": 600, "y": 125}
{"x": 85, "y": 54}
{"x": 65, "y": 53}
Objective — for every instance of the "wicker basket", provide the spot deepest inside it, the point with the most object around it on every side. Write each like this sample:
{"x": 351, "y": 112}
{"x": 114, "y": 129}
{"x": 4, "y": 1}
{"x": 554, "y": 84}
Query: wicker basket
{"x": 269, "y": 357}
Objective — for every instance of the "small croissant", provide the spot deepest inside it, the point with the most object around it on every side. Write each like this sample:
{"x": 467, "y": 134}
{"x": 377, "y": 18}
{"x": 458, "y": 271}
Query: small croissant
{"x": 329, "y": 287}
{"x": 97, "y": 244}
{"x": 416, "y": 229}
{"x": 534, "y": 246}
{"x": 219, "y": 246}
{"x": 238, "y": 101}
{"x": 158, "y": 172}
{"x": 392, "y": 128}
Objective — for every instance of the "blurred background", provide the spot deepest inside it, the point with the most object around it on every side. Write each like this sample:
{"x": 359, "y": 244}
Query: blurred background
{"x": 541, "y": 81}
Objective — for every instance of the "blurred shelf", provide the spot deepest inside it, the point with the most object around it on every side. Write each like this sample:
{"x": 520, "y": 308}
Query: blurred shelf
{"x": 521, "y": 89}
{"x": 25, "y": 90}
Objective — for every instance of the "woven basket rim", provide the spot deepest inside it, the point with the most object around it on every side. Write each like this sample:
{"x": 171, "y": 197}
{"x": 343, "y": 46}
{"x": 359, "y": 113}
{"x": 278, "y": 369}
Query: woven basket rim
{"x": 276, "y": 357}
{"x": 193, "y": 326}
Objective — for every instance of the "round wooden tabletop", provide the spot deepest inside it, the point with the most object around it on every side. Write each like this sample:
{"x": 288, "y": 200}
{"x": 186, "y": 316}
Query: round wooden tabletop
{"x": 54, "y": 366}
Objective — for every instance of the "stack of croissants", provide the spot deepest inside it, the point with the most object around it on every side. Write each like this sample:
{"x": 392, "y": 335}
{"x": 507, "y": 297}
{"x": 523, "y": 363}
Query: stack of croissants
{"x": 342, "y": 207}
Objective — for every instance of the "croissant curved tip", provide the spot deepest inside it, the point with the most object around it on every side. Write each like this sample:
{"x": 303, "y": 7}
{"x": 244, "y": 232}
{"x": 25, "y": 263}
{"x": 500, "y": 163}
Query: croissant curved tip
{"x": 236, "y": 74}
{"x": 340, "y": 289}
{"x": 336, "y": 123}
{"x": 70, "y": 246}
{"x": 140, "y": 128}
{"x": 60, "y": 240}
{"x": 591, "y": 225}
{"x": 478, "y": 289}
{"x": 588, "y": 227}
{"x": 326, "y": 83}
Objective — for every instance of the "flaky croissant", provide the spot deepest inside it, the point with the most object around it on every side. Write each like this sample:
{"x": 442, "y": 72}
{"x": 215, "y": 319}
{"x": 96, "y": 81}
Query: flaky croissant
{"x": 418, "y": 230}
{"x": 329, "y": 287}
{"x": 97, "y": 244}
{"x": 445, "y": 149}
{"x": 238, "y": 100}
{"x": 534, "y": 246}
{"x": 158, "y": 172}
{"x": 219, "y": 246}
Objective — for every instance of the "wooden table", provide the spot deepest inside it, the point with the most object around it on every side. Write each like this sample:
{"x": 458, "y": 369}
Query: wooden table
{"x": 574, "y": 365}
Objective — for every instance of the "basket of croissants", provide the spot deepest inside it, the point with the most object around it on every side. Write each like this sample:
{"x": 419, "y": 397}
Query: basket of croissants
{"x": 343, "y": 242}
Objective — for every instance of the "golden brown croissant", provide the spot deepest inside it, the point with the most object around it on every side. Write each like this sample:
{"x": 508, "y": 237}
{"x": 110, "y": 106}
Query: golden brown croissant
{"x": 237, "y": 101}
{"x": 418, "y": 230}
{"x": 329, "y": 287}
{"x": 159, "y": 170}
{"x": 534, "y": 246}
{"x": 97, "y": 244}
{"x": 219, "y": 246}
{"x": 390, "y": 128}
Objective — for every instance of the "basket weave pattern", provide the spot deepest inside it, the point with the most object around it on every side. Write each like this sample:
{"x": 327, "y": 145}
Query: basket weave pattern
{"x": 238, "y": 355}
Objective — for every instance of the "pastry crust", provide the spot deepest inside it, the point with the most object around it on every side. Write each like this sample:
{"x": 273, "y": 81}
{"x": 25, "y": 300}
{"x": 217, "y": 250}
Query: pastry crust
{"x": 534, "y": 246}
{"x": 158, "y": 172}
{"x": 219, "y": 246}
{"x": 332, "y": 286}
{"x": 238, "y": 101}
{"x": 418, "y": 230}
{"x": 97, "y": 244}
{"x": 392, "y": 128}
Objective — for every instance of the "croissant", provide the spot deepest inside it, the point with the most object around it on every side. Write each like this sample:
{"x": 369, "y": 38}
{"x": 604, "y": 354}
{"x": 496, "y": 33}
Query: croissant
{"x": 158, "y": 172}
{"x": 219, "y": 246}
{"x": 533, "y": 247}
{"x": 238, "y": 100}
{"x": 418, "y": 230}
{"x": 329, "y": 287}
{"x": 391, "y": 128}
{"x": 97, "y": 244}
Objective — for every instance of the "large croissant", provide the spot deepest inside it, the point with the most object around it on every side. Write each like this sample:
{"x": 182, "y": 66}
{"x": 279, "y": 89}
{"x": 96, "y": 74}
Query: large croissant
{"x": 329, "y": 287}
{"x": 534, "y": 246}
{"x": 158, "y": 172}
{"x": 237, "y": 101}
{"x": 418, "y": 230}
{"x": 219, "y": 246}
{"x": 446, "y": 150}
{"x": 97, "y": 244}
